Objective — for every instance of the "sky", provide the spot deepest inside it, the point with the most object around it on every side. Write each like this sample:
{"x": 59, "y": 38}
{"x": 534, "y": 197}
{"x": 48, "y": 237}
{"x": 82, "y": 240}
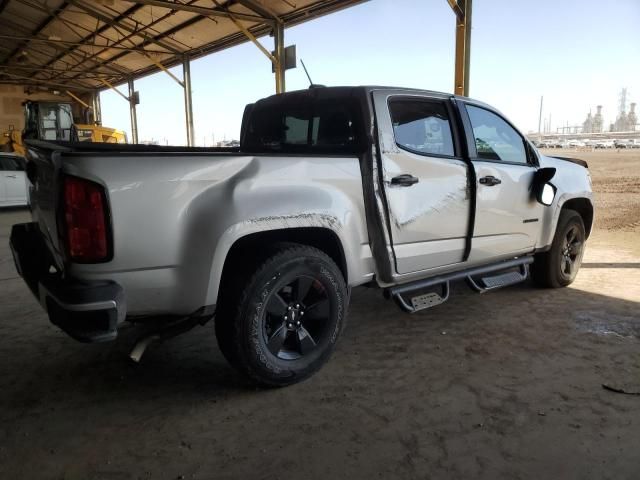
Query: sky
{"x": 575, "y": 53}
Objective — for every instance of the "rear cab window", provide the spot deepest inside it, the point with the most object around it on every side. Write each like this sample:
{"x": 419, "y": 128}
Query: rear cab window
{"x": 304, "y": 124}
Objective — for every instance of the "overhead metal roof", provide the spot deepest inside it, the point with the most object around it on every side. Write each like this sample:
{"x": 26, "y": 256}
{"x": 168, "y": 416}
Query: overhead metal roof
{"x": 81, "y": 44}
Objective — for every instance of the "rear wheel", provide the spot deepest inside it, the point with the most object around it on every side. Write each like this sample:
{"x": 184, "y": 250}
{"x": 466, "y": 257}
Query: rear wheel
{"x": 280, "y": 322}
{"x": 559, "y": 266}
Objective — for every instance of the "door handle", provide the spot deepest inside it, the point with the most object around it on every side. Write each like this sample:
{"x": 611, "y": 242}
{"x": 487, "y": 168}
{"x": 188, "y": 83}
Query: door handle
{"x": 404, "y": 180}
{"x": 490, "y": 181}
{"x": 9, "y": 176}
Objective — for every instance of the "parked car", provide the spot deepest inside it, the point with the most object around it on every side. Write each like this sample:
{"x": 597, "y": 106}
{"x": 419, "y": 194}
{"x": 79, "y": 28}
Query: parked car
{"x": 14, "y": 190}
{"x": 604, "y": 144}
{"x": 404, "y": 190}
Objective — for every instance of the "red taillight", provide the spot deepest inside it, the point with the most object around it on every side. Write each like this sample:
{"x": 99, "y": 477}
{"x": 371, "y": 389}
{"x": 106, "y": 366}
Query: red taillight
{"x": 84, "y": 214}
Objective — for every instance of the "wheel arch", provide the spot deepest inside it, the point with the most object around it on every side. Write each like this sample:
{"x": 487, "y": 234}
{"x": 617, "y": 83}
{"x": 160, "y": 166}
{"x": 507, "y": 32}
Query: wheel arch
{"x": 584, "y": 207}
{"x": 247, "y": 248}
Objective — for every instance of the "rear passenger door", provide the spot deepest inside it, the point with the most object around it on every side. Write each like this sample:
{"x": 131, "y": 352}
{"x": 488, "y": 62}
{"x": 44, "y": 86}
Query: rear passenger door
{"x": 425, "y": 181}
{"x": 507, "y": 218}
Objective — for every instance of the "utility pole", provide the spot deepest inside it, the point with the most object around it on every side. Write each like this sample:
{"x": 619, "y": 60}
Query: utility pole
{"x": 540, "y": 119}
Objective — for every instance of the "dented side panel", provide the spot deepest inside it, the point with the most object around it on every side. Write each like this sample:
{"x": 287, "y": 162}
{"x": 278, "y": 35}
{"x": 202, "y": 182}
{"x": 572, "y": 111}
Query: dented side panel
{"x": 175, "y": 218}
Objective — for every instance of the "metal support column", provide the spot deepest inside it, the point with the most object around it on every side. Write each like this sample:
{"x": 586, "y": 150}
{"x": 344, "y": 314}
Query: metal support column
{"x": 132, "y": 111}
{"x": 462, "y": 9}
{"x": 97, "y": 108}
{"x": 279, "y": 63}
{"x": 188, "y": 103}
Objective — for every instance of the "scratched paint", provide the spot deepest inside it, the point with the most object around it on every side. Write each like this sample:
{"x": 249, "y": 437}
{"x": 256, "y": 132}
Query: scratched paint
{"x": 297, "y": 220}
{"x": 404, "y": 215}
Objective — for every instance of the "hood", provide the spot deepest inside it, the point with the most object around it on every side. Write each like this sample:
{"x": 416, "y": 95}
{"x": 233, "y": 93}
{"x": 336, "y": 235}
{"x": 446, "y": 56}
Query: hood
{"x": 577, "y": 161}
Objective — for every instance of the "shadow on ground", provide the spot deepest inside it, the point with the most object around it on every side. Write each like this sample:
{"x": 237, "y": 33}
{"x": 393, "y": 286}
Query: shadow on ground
{"x": 505, "y": 384}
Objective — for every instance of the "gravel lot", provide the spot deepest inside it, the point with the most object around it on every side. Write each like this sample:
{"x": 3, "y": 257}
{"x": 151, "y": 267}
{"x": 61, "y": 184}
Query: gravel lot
{"x": 503, "y": 385}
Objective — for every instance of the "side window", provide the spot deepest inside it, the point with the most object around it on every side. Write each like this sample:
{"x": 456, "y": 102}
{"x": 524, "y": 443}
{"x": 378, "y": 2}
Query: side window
{"x": 295, "y": 130}
{"x": 495, "y": 138}
{"x": 421, "y": 126}
{"x": 11, "y": 163}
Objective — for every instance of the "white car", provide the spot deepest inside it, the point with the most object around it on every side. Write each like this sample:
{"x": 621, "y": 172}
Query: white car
{"x": 604, "y": 144}
{"x": 13, "y": 181}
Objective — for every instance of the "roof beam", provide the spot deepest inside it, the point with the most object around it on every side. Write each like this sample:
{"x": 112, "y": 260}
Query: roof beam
{"x": 20, "y": 79}
{"x": 80, "y": 44}
{"x": 261, "y": 10}
{"x": 129, "y": 37}
{"x": 143, "y": 44}
{"x": 251, "y": 37}
{"x": 171, "y": 31}
{"x": 63, "y": 51}
{"x": 119, "y": 24}
{"x": 39, "y": 69}
{"x": 88, "y": 37}
{"x": 292, "y": 18}
{"x": 207, "y": 12}
{"x": 457, "y": 8}
{"x": 37, "y": 30}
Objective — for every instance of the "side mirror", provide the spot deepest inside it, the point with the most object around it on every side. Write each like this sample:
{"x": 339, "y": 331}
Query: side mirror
{"x": 546, "y": 194}
{"x": 544, "y": 191}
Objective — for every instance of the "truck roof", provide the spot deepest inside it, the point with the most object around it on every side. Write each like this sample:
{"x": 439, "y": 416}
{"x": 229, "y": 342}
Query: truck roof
{"x": 337, "y": 91}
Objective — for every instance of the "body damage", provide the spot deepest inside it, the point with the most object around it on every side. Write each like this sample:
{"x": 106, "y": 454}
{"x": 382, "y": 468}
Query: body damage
{"x": 209, "y": 206}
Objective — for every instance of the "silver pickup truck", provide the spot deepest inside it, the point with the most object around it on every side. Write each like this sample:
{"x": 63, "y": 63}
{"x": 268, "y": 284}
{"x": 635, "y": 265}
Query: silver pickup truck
{"x": 406, "y": 190}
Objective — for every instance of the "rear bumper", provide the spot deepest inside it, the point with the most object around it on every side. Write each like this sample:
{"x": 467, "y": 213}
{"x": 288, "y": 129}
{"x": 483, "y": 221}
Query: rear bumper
{"x": 87, "y": 311}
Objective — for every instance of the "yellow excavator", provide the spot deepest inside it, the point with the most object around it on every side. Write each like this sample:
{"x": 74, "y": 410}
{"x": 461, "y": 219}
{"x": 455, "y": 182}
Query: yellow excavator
{"x": 46, "y": 120}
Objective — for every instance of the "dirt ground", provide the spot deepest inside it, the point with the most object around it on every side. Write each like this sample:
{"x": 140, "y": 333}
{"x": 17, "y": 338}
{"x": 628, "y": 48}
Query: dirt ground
{"x": 503, "y": 385}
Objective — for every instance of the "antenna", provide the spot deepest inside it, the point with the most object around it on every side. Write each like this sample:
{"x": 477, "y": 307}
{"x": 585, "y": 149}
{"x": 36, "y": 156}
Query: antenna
{"x": 305, "y": 71}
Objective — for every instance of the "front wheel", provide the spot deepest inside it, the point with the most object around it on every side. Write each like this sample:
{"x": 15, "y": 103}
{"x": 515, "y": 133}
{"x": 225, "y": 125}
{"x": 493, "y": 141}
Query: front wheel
{"x": 281, "y": 321}
{"x": 559, "y": 266}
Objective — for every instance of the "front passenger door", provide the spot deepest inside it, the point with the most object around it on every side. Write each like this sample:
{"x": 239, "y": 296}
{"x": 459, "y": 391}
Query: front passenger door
{"x": 507, "y": 216}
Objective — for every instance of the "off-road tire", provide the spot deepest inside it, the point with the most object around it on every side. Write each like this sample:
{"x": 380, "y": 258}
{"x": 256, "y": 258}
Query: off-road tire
{"x": 548, "y": 269}
{"x": 244, "y": 305}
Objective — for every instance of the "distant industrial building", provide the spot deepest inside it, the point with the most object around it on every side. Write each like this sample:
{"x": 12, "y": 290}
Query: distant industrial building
{"x": 625, "y": 122}
{"x": 593, "y": 124}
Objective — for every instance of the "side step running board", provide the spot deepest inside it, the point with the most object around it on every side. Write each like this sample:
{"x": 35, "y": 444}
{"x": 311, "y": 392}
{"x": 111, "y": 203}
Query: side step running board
{"x": 420, "y": 301}
{"x": 487, "y": 283}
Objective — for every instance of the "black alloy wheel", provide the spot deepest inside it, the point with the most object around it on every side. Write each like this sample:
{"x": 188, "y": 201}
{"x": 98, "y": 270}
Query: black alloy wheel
{"x": 296, "y": 318}
{"x": 279, "y": 319}
{"x": 571, "y": 252}
{"x": 559, "y": 265}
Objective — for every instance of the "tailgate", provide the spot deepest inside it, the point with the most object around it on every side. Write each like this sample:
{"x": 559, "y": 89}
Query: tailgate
{"x": 44, "y": 173}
